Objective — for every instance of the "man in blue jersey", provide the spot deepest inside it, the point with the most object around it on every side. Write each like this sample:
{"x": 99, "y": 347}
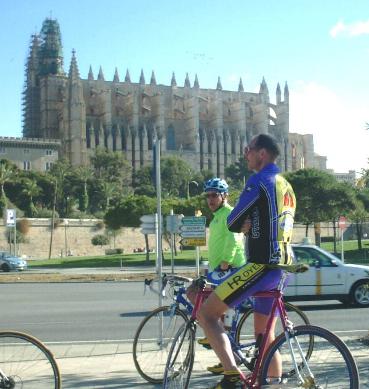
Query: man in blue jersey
{"x": 265, "y": 212}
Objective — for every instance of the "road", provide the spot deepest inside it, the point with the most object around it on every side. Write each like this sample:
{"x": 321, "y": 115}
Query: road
{"x": 59, "y": 312}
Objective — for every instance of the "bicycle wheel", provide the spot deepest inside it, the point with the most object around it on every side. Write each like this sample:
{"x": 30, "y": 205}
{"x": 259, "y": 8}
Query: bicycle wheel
{"x": 26, "y": 363}
{"x": 150, "y": 351}
{"x": 179, "y": 365}
{"x": 330, "y": 365}
{"x": 245, "y": 331}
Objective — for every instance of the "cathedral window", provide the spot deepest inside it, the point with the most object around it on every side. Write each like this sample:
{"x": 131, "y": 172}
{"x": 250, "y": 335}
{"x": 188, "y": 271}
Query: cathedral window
{"x": 171, "y": 138}
{"x": 26, "y": 165}
{"x": 49, "y": 152}
{"x": 26, "y": 151}
{"x": 2, "y": 150}
{"x": 48, "y": 166}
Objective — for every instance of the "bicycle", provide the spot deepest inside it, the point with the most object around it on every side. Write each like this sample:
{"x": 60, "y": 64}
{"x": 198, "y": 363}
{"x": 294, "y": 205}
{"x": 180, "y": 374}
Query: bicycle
{"x": 152, "y": 340}
{"x": 25, "y": 362}
{"x": 328, "y": 365}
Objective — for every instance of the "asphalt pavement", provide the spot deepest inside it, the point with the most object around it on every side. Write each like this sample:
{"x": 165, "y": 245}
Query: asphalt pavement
{"x": 110, "y": 365}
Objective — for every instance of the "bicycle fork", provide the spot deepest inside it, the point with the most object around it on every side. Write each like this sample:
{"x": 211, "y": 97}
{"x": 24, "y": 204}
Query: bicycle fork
{"x": 6, "y": 382}
{"x": 310, "y": 379}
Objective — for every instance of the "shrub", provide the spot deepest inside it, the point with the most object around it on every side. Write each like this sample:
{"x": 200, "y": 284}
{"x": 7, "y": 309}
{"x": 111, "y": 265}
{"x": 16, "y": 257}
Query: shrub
{"x": 99, "y": 225}
{"x": 23, "y": 226}
{"x": 114, "y": 251}
{"x": 100, "y": 240}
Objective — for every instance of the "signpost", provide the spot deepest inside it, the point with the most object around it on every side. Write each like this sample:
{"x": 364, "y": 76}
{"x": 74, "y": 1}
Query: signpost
{"x": 193, "y": 233}
{"x": 173, "y": 223}
{"x": 342, "y": 226}
{"x": 11, "y": 221}
{"x": 148, "y": 224}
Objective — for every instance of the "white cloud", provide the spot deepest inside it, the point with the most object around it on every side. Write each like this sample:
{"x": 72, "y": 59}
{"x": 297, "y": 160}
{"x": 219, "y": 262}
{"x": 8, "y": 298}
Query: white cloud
{"x": 352, "y": 29}
{"x": 337, "y": 125}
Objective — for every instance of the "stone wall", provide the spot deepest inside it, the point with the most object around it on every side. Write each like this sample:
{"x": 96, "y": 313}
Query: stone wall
{"x": 75, "y": 237}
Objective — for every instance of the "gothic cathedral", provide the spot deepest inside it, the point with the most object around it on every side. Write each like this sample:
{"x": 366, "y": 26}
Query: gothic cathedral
{"x": 209, "y": 128}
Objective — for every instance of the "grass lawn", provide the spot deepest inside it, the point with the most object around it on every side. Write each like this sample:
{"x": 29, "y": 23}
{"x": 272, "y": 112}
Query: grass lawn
{"x": 187, "y": 257}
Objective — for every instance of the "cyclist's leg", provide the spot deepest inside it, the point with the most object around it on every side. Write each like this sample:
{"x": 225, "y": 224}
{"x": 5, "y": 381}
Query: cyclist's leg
{"x": 234, "y": 289}
{"x": 209, "y": 319}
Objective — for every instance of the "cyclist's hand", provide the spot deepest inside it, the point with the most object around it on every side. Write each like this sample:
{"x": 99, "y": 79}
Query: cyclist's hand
{"x": 246, "y": 226}
{"x": 224, "y": 266}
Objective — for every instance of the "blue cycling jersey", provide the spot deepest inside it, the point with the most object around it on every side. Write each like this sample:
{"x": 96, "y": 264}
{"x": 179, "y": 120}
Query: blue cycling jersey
{"x": 269, "y": 201}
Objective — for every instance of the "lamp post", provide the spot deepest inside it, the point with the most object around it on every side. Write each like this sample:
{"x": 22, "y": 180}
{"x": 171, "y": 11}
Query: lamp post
{"x": 188, "y": 187}
{"x": 65, "y": 237}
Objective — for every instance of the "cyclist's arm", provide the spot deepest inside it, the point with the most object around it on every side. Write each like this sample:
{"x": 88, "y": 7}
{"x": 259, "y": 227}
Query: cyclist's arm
{"x": 241, "y": 211}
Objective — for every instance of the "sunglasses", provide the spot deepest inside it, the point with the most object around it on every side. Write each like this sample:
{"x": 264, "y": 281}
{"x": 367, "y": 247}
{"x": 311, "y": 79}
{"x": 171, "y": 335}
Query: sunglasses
{"x": 212, "y": 195}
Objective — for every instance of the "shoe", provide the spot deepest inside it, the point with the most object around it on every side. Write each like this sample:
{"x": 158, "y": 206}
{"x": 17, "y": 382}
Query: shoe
{"x": 216, "y": 369}
{"x": 204, "y": 343}
{"x": 231, "y": 380}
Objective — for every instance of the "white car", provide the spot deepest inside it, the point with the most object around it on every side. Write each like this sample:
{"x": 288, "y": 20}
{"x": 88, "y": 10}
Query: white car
{"x": 328, "y": 278}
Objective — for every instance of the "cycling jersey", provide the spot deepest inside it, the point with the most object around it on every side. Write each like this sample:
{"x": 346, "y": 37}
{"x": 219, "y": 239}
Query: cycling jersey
{"x": 269, "y": 201}
{"x": 224, "y": 245}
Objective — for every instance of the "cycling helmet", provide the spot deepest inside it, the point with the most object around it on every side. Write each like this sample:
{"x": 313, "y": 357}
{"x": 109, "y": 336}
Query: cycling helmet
{"x": 217, "y": 185}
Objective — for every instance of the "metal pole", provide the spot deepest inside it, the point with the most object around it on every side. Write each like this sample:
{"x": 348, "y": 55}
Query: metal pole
{"x": 198, "y": 261}
{"x": 52, "y": 220}
{"x": 342, "y": 251}
{"x": 158, "y": 232}
{"x": 172, "y": 243}
{"x": 15, "y": 239}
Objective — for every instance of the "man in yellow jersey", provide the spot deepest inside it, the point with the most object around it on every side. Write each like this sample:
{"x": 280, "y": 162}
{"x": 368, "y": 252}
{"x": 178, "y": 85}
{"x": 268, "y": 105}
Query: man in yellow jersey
{"x": 265, "y": 211}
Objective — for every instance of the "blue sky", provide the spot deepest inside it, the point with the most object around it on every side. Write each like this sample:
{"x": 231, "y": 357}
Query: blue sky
{"x": 321, "y": 48}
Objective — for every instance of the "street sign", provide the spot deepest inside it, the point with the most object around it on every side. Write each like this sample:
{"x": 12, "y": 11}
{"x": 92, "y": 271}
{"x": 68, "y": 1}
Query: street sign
{"x": 173, "y": 223}
{"x": 11, "y": 217}
{"x": 193, "y": 231}
{"x": 148, "y": 225}
{"x": 193, "y": 242}
{"x": 342, "y": 223}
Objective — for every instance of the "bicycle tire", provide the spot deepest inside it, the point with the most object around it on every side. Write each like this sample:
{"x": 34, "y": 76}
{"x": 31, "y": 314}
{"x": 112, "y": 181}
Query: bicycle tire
{"x": 149, "y": 355}
{"x": 331, "y": 363}
{"x": 27, "y": 362}
{"x": 246, "y": 326}
{"x": 181, "y": 357}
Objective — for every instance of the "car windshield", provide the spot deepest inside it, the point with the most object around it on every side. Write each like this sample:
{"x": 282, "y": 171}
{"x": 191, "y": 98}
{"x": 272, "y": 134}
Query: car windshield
{"x": 313, "y": 256}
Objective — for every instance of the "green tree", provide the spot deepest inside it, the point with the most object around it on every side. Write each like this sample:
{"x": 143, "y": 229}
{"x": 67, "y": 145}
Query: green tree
{"x": 237, "y": 174}
{"x": 142, "y": 182}
{"x": 128, "y": 211}
{"x": 111, "y": 166}
{"x": 319, "y": 196}
{"x": 176, "y": 175}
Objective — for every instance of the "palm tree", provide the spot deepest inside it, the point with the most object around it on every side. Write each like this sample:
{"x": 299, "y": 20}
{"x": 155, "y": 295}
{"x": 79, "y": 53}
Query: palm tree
{"x": 30, "y": 190}
{"x": 84, "y": 174}
{"x": 6, "y": 174}
{"x": 108, "y": 189}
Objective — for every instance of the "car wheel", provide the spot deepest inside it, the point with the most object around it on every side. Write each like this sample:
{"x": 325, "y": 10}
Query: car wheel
{"x": 5, "y": 267}
{"x": 360, "y": 293}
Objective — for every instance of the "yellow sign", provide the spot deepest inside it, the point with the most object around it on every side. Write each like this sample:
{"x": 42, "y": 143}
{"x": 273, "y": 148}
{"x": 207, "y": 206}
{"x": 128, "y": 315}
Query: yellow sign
{"x": 193, "y": 242}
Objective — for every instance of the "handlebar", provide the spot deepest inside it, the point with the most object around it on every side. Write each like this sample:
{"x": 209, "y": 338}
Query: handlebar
{"x": 171, "y": 279}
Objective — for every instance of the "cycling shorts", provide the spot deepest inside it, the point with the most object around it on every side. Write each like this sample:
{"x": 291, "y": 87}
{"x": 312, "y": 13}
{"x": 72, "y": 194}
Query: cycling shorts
{"x": 248, "y": 280}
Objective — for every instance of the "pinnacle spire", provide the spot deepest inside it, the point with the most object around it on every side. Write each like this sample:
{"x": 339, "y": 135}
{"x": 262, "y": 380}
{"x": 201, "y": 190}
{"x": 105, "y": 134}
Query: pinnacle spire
{"x": 173, "y": 81}
{"x": 278, "y": 93}
{"x": 116, "y": 76}
{"x": 187, "y": 81}
{"x": 90, "y": 76}
{"x": 73, "y": 69}
{"x": 240, "y": 85}
{"x": 142, "y": 78}
{"x": 127, "y": 78}
{"x": 286, "y": 92}
{"x": 196, "y": 82}
{"x": 101, "y": 75}
{"x": 263, "y": 87}
{"x": 219, "y": 84}
{"x": 153, "y": 79}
